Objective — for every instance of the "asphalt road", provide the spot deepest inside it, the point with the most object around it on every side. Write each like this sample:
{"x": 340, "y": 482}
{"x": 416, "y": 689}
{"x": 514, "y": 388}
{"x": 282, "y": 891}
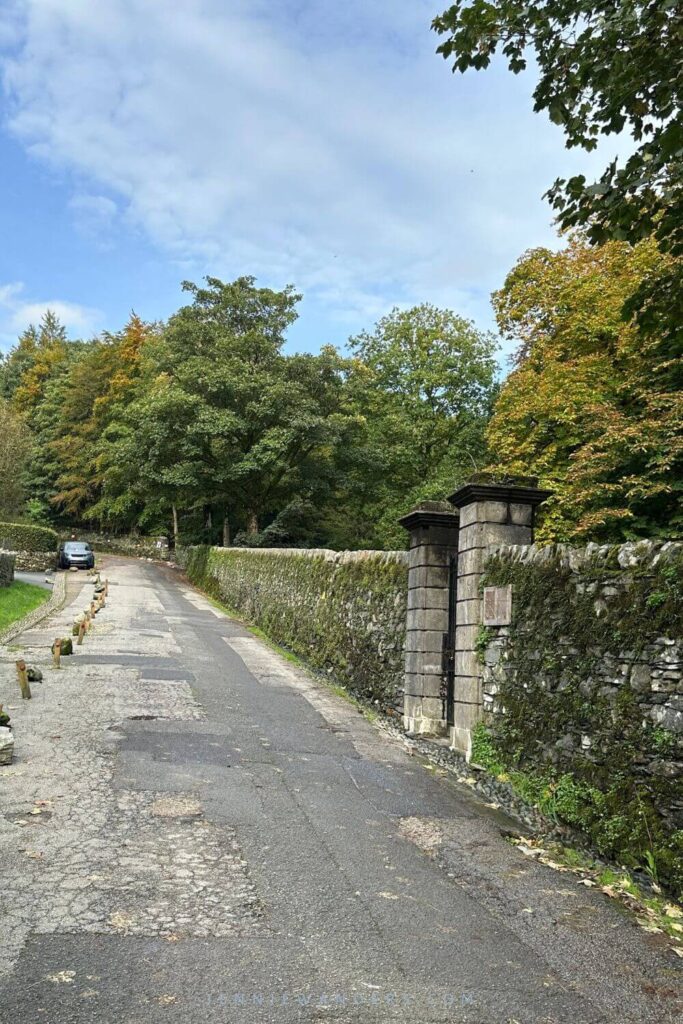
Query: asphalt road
{"x": 38, "y": 579}
{"x": 196, "y": 830}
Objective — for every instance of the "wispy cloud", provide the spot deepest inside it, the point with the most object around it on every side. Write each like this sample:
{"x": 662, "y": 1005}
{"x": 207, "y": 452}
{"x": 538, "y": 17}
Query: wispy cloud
{"x": 17, "y": 312}
{"x": 305, "y": 141}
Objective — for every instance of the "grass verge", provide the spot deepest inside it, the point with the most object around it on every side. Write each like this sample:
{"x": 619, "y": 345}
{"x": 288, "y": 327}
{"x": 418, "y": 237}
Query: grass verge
{"x": 18, "y": 600}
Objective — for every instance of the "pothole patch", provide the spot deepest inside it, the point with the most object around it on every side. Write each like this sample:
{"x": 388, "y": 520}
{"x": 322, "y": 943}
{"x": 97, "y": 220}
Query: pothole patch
{"x": 176, "y": 807}
{"x": 424, "y": 832}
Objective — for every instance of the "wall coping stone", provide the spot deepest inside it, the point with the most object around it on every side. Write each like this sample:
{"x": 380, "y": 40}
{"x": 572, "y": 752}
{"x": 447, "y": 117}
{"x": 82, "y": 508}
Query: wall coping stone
{"x": 340, "y": 557}
{"x": 575, "y": 557}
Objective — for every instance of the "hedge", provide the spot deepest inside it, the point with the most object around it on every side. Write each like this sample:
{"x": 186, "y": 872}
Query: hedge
{"x": 342, "y": 612}
{"x": 22, "y": 537}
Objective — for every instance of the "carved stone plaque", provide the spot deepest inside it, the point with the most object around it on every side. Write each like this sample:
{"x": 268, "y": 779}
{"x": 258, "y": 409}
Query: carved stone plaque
{"x": 497, "y": 606}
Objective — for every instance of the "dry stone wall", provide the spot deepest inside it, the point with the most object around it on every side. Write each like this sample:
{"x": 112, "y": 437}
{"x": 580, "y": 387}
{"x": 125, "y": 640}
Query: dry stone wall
{"x": 343, "y": 612}
{"x": 6, "y": 568}
{"x": 584, "y": 690}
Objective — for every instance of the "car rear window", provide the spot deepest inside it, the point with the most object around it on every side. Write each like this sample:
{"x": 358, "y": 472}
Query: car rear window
{"x": 76, "y": 547}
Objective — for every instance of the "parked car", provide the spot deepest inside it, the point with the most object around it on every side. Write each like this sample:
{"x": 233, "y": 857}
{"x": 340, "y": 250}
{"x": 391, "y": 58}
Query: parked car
{"x": 76, "y": 553}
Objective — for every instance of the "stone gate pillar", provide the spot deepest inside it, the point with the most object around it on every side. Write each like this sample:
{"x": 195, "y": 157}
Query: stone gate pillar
{"x": 490, "y": 515}
{"x": 433, "y": 528}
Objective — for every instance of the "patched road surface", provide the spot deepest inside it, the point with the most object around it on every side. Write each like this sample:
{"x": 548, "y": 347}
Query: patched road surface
{"x": 196, "y": 830}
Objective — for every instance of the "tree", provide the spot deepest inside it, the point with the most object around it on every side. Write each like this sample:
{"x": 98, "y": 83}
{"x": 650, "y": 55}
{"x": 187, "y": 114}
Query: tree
{"x": 605, "y": 67}
{"x": 591, "y": 408}
{"x": 222, "y": 419}
{"x": 31, "y": 364}
{"x": 99, "y": 384}
{"x": 31, "y": 378}
{"x": 14, "y": 450}
{"x": 423, "y": 383}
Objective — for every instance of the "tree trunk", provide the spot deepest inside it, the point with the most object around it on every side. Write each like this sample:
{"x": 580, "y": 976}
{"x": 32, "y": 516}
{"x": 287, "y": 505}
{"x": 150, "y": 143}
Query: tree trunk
{"x": 252, "y": 523}
{"x": 208, "y": 521}
{"x": 226, "y": 532}
{"x": 176, "y": 534}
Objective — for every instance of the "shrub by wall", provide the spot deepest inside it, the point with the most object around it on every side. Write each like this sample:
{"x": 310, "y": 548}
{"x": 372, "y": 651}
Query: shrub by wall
{"x": 25, "y": 537}
{"x": 342, "y": 612}
{"x": 583, "y": 694}
{"x": 35, "y": 546}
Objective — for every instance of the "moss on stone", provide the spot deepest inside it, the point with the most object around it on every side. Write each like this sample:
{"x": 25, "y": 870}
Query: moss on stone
{"x": 579, "y": 734}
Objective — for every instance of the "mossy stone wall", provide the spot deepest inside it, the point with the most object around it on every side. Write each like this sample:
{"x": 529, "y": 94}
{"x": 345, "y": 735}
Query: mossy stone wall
{"x": 583, "y": 693}
{"x": 6, "y": 568}
{"x": 344, "y": 613}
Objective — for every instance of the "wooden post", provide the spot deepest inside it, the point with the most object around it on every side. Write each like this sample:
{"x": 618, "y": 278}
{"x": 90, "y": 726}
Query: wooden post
{"x": 23, "y": 680}
{"x": 81, "y": 632}
{"x": 106, "y": 587}
{"x": 88, "y": 621}
{"x": 57, "y": 652}
{"x": 93, "y": 608}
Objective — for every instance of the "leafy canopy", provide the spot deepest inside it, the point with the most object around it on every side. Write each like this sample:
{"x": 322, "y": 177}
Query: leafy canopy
{"x": 422, "y": 383}
{"x": 592, "y": 409}
{"x": 605, "y": 67}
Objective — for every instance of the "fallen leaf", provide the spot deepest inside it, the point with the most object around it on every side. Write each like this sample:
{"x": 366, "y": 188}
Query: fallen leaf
{"x": 389, "y": 896}
{"x": 588, "y": 882}
{"x": 671, "y": 910}
{"x": 166, "y": 1000}
{"x": 678, "y": 950}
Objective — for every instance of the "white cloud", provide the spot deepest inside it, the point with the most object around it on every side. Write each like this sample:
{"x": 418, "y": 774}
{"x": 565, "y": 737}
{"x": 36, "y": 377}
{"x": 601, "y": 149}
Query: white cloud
{"x": 18, "y": 312}
{"x": 307, "y": 141}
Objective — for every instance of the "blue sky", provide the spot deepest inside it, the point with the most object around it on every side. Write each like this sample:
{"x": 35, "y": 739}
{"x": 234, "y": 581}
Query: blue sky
{"x": 301, "y": 141}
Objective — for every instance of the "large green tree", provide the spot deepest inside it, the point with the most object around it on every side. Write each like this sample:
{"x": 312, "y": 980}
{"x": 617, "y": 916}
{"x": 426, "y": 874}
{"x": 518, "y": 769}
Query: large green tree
{"x": 223, "y": 419}
{"x": 423, "y": 382}
{"x": 604, "y": 67}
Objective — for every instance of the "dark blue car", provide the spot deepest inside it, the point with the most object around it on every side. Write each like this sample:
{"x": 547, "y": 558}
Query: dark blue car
{"x": 76, "y": 553}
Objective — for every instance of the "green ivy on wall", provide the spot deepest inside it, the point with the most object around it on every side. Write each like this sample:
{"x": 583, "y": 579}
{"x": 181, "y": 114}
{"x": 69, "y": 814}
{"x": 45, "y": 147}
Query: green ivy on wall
{"x": 576, "y": 737}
